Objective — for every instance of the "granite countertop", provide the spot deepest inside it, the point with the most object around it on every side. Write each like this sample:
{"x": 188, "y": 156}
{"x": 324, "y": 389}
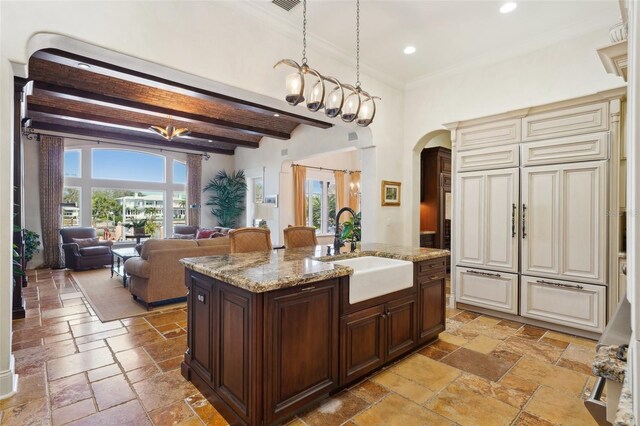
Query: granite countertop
{"x": 624, "y": 415}
{"x": 260, "y": 272}
{"x": 607, "y": 365}
{"x": 427, "y": 232}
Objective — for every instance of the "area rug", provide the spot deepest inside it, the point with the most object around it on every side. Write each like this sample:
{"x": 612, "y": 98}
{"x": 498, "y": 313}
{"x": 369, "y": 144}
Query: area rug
{"x": 108, "y": 298}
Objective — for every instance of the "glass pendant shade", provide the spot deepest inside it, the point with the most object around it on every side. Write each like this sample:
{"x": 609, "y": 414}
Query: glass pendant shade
{"x": 367, "y": 110}
{"x": 351, "y": 106}
{"x": 294, "y": 84}
{"x": 315, "y": 93}
{"x": 334, "y": 99}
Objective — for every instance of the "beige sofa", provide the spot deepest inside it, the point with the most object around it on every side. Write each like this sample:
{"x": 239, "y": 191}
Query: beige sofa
{"x": 157, "y": 274}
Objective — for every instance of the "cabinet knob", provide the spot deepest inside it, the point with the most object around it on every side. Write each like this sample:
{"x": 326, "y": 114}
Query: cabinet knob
{"x": 201, "y": 298}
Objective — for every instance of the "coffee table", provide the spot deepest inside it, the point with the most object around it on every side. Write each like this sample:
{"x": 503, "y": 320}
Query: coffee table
{"x": 117, "y": 262}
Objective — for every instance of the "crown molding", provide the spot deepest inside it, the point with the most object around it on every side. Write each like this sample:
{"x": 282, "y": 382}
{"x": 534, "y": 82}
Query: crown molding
{"x": 323, "y": 46}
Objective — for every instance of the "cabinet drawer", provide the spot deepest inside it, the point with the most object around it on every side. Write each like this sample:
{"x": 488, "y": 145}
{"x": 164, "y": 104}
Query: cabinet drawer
{"x": 569, "y": 121}
{"x": 490, "y": 158}
{"x": 432, "y": 267}
{"x": 498, "y": 291}
{"x": 489, "y": 134}
{"x": 571, "y": 149}
{"x": 564, "y": 302}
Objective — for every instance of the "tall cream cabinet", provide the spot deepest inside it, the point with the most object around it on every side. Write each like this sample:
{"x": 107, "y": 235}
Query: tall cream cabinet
{"x": 537, "y": 213}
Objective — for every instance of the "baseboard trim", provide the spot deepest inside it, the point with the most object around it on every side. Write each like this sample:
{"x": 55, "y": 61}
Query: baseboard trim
{"x": 8, "y": 381}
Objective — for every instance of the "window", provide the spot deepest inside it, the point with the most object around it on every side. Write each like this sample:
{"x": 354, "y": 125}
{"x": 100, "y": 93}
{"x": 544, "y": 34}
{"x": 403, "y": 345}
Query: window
{"x": 121, "y": 164}
{"x": 179, "y": 172}
{"x": 123, "y": 185}
{"x": 113, "y": 209}
{"x": 72, "y": 163}
{"x": 70, "y": 209}
{"x": 179, "y": 208}
{"x": 321, "y": 205}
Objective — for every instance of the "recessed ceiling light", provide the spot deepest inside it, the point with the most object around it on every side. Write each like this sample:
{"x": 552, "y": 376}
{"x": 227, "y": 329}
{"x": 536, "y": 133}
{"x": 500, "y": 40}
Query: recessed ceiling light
{"x": 409, "y": 50}
{"x": 83, "y": 65}
{"x": 276, "y": 115}
{"x": 508, "y": 7}
{"x": 209, "y": 140}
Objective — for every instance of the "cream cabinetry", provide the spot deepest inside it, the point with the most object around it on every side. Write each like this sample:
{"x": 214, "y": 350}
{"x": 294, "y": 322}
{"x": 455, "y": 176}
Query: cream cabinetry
{"x": 489, "y": 158}
{"x": 564, "y": 212}
{"x": 488, "y": 231}
{"x": 532, "y": 233}
{"x": 563, "y": 302}
{"x": 484, "y": 135}
{"x": 491, "y": 290}
{"x": 580, "y": 119}
{"x": 566, "y": 150}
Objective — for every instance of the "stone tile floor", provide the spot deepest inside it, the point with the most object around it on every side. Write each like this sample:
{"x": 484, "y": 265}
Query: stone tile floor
{"x": 77, "y": 370}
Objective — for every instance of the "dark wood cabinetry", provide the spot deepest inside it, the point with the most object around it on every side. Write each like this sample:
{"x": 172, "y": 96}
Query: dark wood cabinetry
{"x": 362, "y": 336}
{"x": 301, "y": 342}
{"x": 435, "y": 189}
{"x": 262, "y": 357}
{"x": 401, "y": 327}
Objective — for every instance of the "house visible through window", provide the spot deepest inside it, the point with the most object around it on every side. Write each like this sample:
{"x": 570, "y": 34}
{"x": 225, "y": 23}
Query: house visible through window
{"x": 125, "y": 186}
{"x": 321, "y": 205}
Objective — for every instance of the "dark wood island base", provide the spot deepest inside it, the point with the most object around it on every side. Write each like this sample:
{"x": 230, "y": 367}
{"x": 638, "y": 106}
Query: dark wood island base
{"x": 261, "y": 358}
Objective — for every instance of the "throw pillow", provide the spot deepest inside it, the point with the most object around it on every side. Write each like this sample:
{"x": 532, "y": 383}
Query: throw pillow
{"x": 204, "y": 233}
{"x": 183, "y": 236}
{"x": 86, "y": 242}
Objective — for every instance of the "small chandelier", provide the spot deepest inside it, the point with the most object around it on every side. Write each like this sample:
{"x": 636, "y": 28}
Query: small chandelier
{"x": 307, "y": 85}
{"x": 170, "y": 132}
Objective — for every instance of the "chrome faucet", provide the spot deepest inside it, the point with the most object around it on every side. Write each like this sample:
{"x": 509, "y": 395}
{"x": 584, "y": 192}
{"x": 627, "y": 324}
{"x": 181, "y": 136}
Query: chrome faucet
{"x": 337, "y": 242}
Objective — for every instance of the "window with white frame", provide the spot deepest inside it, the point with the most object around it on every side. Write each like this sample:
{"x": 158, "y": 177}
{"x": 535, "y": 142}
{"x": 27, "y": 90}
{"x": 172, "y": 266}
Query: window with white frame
{"x": 320, "y": 202}
{"x": 123, "y": 186}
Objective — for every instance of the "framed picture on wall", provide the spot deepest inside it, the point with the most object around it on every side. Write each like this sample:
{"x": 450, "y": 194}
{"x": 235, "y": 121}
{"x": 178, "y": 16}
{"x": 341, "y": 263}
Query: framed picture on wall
{"x": 271, "y": 199}
{"x": 390, "y": 193}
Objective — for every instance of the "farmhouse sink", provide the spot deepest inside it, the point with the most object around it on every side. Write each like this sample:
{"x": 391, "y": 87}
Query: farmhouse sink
{"x": 376, "y": 276}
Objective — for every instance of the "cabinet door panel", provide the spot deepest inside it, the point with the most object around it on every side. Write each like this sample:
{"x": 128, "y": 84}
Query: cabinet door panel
{"x": 501, "y": 242}
{"x": 489, "y": 134}
{"x": 401, "y": 326}
{"x": 541, "y": 220}
{"x": 569, "y": 121}
{"x": 202, "y": 328}
{"x": 563, "y": 302}
{"x": 362, "y": 335}
{"x": 487, "y": 289}
{"x": 235, "y": 328}
{"x": 431, "y": 316}
{"x": 470, "y": 218}
{"x": 300, "y": 366}
{"x": 583, "y": 221}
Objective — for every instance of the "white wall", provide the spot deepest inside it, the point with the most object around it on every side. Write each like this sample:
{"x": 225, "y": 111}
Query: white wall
{"x": 562, "y": 71}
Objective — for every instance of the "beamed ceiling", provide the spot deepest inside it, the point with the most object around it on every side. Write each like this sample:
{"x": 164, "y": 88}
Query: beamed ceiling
{"x": 111, "y": 102}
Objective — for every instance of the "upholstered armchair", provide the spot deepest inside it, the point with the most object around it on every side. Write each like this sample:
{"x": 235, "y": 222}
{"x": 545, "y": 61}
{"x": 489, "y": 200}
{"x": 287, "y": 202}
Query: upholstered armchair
{"x": 83, "y": 249}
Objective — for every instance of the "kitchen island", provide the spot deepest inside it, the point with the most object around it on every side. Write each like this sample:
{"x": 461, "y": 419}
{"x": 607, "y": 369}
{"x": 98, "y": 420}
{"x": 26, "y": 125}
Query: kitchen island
{"x": 271, "y": 333}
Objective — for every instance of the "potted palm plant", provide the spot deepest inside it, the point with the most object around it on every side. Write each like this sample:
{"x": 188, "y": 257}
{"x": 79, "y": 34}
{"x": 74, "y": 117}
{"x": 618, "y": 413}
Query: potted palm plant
{"x": 138, "y": 226}
{"x": 227, "y": 199}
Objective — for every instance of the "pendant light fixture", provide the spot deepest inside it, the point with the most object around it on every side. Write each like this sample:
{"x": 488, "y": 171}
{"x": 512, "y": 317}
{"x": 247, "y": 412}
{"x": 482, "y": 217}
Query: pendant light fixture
{"x": 170, "y": 132}
{"x": 307, "y": 85}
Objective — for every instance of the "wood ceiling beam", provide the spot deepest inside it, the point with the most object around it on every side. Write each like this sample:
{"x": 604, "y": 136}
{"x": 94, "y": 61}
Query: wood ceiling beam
{"x": 73, "y": 59}
{"x": 64, "y": 113}
{"x": 125, "y": 137}
{"x": 131, "y": 105}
